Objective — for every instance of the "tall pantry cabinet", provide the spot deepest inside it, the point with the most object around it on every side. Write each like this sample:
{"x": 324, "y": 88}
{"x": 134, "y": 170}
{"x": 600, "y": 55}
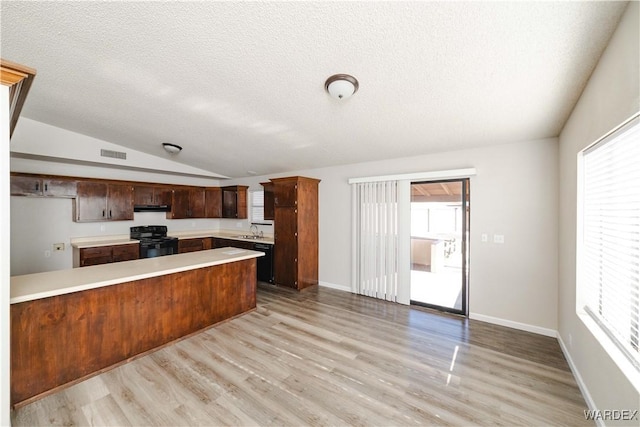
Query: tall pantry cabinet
{"x": 296, "y": 231}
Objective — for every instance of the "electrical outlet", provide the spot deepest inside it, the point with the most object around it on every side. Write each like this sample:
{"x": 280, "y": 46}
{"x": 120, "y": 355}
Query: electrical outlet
{"x": 47, "y": 254}
{"x": 58, "y": 246}
{"x": 498, "y": 238}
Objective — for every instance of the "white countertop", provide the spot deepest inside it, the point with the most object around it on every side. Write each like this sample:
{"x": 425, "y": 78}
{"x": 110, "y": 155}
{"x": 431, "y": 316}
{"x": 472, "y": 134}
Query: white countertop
{"x": 41, "y": 285}
{"x": 90, "y": 242}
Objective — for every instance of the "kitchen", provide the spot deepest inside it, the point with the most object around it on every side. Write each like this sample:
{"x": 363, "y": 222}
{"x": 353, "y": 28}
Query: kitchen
{"x": 514, "y": 162}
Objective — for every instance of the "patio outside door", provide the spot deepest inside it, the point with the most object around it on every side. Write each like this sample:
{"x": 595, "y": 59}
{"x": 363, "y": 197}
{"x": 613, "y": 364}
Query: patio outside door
{"x": 440, "y": 244}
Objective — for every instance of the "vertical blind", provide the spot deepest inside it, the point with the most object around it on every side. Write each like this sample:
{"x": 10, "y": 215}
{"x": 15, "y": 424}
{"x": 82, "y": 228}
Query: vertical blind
{"x": 376, "y": 239}
{"x": 609, "y": 265}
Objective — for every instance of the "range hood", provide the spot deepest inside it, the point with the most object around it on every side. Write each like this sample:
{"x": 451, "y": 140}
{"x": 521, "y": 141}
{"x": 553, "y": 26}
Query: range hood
{"x": 152, "y": 208}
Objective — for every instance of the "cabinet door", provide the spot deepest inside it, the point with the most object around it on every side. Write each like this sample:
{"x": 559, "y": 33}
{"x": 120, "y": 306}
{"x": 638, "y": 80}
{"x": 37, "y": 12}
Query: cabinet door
{"x": 285, "y": 267}
{"x": 95, "y": 256}
{"x": 91, "y": 202}
{"x": 26, "y": 186}
{"x": 285, "y": 193}
{"x": 229, "y": 203}
{"x": 269, "y": 212}
{"x": 120, "y": 202}
{"x": 162, "y": 196}
{"x": 179, "y": 204}
{"x": 191, "y": 245}
{"x": 213, "y": 203}
{"x": 125, "y": 252}
{"x": 59, "y": 188}
{"x": 241, "y": 200}
{"x": 196, "y": 203}
{"x": 143, "y": 195}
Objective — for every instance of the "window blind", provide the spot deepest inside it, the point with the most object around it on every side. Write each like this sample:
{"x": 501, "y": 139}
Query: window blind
{"x": 609, "y": 266}
{"x": 257, "y": 206}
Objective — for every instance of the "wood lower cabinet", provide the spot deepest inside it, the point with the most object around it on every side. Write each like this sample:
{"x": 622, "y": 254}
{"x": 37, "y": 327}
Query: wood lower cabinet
{"x": 219, "y": 242}
{"x": 296, "y": 232}
{"x": 98, "y": 201}
{"x": 193, "y": 245}
{"x": 59, "y": 340}
{"x": 84, "y": 257}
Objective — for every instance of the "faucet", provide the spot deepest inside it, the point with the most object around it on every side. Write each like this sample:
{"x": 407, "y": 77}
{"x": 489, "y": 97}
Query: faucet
{"x": 254, "y": 230}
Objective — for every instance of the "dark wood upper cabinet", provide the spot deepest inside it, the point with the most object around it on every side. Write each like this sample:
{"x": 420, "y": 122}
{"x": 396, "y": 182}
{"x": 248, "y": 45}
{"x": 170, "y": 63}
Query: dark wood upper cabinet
{"x": 98, "y": 201}
{"x": 27, "y": 185}
{"x": 149, "y": 195}
{"x": 91, "y": 203}
{"x": 269, "y": 199}
{"x": 119, "y": 202}
{"x": 285, "y": 193}
{"x": 234, "y": 201}
{"x": 213, "y": 202}
{"x": 187, "y": 203}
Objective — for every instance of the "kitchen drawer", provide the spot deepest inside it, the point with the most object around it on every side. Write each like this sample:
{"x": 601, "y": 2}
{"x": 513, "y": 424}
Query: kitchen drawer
{"x": 125, "y": 252}
{"x": 95, "y": 256}
{"x": 193, "y": 245}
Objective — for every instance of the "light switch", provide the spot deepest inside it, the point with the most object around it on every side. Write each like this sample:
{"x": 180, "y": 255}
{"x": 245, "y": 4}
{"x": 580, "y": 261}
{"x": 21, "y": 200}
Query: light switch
{"x": 498, "y": 238}
{"x": 484, "y": 237}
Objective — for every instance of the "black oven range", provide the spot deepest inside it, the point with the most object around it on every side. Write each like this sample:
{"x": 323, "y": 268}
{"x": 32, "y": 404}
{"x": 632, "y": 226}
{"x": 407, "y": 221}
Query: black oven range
{"x": 154, "y": 241}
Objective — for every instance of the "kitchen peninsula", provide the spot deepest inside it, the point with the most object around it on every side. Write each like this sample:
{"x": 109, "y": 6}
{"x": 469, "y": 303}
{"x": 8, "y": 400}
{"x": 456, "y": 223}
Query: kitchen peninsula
{"x": 68, "y": 325}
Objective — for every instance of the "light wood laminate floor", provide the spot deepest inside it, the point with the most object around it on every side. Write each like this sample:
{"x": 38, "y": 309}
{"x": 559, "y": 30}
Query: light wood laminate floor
{"x": 327, "y": 357}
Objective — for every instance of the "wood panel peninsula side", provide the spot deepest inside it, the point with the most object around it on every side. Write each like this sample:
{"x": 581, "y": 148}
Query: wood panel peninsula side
{"x": 69, "y": 325}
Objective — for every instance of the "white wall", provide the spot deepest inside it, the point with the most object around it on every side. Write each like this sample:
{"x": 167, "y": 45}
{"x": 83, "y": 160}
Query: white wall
{"x": 611, "y": 96}
{"x": 5, "y": 397}
{"x": 514, "y": 193}
{"x": 40, "y": 140}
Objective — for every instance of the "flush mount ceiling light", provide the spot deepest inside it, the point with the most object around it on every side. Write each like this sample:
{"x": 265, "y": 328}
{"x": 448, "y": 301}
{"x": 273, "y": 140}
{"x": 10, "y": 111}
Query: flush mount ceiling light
{"x": 341, "y": 86}
{"x": 171, "y": 148}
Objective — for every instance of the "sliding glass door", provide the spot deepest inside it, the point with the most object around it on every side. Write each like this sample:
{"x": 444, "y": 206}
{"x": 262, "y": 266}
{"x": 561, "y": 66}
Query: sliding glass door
{"x": 440, "y": 244}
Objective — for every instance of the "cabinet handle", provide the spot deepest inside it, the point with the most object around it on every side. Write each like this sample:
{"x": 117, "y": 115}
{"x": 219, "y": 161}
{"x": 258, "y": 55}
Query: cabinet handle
{"x": 103, "y": 213}
{"x": 110, "y": 216}
{"x": 37, "y": 186}
{"x": 46, "y": 187}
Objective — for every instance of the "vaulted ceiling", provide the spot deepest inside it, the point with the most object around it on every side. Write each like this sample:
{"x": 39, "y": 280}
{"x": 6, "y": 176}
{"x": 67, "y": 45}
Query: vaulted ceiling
{"x": 240, "y": 85}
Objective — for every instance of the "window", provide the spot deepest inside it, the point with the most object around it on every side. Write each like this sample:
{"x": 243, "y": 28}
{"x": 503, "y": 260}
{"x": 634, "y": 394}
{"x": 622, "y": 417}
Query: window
{"x": 257, "y": 206}
{"x": 609, "y": 238}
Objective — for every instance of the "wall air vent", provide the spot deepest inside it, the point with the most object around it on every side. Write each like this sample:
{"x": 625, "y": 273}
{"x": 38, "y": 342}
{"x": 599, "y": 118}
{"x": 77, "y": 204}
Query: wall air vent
{"x": 113, "y": 154}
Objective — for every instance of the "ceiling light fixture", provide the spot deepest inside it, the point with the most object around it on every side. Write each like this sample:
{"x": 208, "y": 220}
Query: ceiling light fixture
{"x": 341, "y": 86}
{"x": 171, "y": 148}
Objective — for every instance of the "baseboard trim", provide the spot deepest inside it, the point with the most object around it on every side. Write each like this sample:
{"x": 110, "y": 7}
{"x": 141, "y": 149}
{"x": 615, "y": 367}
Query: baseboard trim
{"x": 334, "y": 286}
{"x": 581, "y": 384}
{"x": 515, "y": 325}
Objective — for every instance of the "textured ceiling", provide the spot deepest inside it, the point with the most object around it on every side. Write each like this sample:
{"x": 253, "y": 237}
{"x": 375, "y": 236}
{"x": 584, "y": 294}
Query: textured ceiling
{"x": 240, "y": 85}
